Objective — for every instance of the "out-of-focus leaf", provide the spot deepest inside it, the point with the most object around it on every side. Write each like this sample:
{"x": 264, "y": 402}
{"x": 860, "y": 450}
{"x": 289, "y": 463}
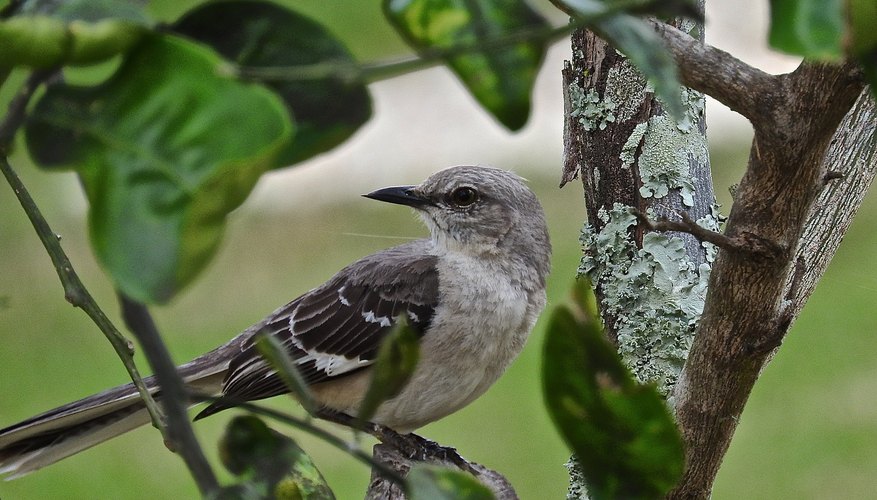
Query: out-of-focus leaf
{"x": 429, "y": 482}
{"x": 500, "y": 77}
{"x": 45, "y": 42}
{"x": 396, "y": 361}
{"x": 810, "y": 28}
{"x": 165, "y": 149}
{"x": 863, "y": 18}
{"x": 328, "y": 109}
{"x": 639, "y": 42}
{"x": 272, "y": 464}
{"x": 621, "y": 431}
{"x": 272, "y": 349}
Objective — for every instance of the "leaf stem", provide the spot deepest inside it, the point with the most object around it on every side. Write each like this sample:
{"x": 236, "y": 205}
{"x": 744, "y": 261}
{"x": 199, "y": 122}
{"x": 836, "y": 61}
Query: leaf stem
{"x": 74, "y": 291}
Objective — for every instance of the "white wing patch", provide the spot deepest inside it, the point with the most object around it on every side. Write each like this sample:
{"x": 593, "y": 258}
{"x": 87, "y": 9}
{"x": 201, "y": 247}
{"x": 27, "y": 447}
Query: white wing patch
{"x": 371, "y": 318}
{"x": 341, "y": 296}
{"x": 333, "y": 364}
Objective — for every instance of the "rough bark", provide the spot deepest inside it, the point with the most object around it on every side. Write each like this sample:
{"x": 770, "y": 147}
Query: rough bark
{"x": 634, "y": 157}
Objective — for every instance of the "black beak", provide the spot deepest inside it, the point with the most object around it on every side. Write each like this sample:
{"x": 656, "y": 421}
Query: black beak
{"x": 401, "y": 195}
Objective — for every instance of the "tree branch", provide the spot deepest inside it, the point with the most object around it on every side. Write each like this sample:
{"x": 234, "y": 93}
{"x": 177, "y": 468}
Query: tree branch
{"x": 178, "y": 433}
{"x": 399, "y": 452}
{"x": 746, "y": 315}
{"x": 743, "y": 88}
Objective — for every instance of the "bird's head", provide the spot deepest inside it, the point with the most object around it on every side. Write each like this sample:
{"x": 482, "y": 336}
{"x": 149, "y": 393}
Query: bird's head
{"x": 475, "y": 210}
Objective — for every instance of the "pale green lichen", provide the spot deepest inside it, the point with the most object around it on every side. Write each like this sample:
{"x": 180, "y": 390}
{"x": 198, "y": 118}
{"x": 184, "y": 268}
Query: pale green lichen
{"x": 667, "y": 153}
{"x": 627, "y": 87}
{"x": 712, "y": 221}
{"x": 591, "y": 111}
{"x": 655, "y": 294}
{"x": 628, "y": 151}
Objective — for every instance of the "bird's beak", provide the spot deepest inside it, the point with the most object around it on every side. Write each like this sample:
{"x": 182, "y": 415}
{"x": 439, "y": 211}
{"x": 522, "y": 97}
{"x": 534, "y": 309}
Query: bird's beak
{"x": 401, "y": 195}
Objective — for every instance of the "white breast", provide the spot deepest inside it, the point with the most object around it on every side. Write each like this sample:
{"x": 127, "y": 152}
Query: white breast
{"x": 480, "y": 327}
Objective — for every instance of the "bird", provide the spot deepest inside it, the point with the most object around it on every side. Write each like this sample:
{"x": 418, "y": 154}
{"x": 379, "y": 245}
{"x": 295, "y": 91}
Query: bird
{"x": 471, "y": 291}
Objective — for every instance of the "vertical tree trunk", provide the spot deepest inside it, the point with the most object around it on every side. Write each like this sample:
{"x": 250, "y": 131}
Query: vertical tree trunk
{"x": 631, "y": 154}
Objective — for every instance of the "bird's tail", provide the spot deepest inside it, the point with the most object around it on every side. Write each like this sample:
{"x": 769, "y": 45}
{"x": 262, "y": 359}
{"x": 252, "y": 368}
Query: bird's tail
{"x": 56, "y": 434}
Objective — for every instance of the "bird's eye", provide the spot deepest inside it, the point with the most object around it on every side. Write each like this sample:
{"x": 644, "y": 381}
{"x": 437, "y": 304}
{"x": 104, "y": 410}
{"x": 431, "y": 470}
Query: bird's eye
{"x": 463, "y": 196}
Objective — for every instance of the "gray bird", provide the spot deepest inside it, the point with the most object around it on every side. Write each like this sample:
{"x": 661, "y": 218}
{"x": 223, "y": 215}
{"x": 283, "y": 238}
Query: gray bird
{"x": 472, "y": 291}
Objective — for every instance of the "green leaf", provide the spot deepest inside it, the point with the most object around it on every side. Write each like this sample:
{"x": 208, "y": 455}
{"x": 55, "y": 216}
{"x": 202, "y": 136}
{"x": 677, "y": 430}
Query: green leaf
{"x": 327, "y": 109}
{"x": 165, "y": 150}
{"x": 430, "y": 482}
{"x": 273, "y": 465}
{"x": 810, "y": 28}
{"x": 639, "y": 42}
{"x": 621, "y": 432}
{"x": 500, "y": 78}
{"x": 272, "y": 349}
{"x": 396, "y": 362}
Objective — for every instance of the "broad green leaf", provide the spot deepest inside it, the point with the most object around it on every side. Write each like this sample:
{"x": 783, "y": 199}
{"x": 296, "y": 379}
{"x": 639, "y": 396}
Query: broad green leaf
{"x": 430, "y": 482}
{"x": 45, "y": 42}
{"x": 639, "y": 42}
{"x": 810, "y": 28}
{"x": 501, "y": 76}
{"x": 621, "y": 432}
{"x": 327, "y": 109}
{"x": 271, "y": 464}
{"x": 396, "y": 361}
{"x": 165, "y": 150}
{"x": 272, "y": 349}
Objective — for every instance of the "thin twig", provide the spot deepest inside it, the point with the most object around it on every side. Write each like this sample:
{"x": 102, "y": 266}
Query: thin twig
{"x": 368, "y": 73}
{"x": 74, "y": 291}
{"x": 746, "y": 243}
{"x": 179, "y": 436}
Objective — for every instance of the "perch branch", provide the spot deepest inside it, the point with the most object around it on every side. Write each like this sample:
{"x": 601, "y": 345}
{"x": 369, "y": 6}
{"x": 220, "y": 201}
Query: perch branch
{"x": 399, "y": 452}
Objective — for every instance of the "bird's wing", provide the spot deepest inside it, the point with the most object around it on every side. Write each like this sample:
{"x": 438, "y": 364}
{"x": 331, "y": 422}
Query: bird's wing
{"x": 337, "y": 328}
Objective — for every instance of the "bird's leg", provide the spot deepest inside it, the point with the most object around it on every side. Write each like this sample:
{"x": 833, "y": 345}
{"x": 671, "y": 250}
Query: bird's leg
{"x": 411, "y": 445}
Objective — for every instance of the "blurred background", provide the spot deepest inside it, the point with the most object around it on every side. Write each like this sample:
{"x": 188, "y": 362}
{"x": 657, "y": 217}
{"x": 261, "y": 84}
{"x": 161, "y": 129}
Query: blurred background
{"x": 809, "y": 430}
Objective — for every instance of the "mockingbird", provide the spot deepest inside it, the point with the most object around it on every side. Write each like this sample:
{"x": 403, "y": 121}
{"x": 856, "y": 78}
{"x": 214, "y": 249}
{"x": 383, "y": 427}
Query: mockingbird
{"x": 472, "y": 291}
